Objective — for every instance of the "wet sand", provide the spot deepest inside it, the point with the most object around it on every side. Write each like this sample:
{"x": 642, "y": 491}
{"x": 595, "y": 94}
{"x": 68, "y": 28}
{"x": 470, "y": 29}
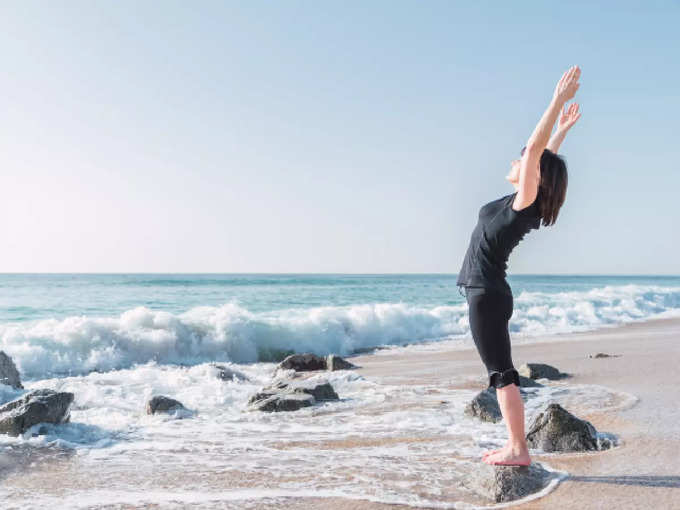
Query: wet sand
{"x": 644, "y": 471}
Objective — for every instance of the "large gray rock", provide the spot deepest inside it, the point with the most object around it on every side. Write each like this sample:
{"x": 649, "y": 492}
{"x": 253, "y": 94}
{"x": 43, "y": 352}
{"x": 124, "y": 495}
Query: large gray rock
{"x": 291, "y": 396}
{"x": 540, "y": 370}
{"x": 506, "y": 483}
{"x": 557, "y": 430}
{"x": 225, "y": 373}
{"x": 485, "y": 404}
{"x": 9, "y": 374}
{"x": 163, "y": 404}
{"x": 38, "y": 406}
{"x": 303, "y": 362}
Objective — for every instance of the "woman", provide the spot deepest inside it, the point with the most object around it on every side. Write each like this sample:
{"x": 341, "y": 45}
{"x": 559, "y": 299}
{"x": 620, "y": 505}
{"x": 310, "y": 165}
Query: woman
{"x": 540, "y": 181}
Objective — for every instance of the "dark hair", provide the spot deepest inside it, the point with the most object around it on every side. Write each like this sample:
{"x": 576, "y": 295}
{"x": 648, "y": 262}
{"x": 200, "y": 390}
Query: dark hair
{"x": 552, "y": 189}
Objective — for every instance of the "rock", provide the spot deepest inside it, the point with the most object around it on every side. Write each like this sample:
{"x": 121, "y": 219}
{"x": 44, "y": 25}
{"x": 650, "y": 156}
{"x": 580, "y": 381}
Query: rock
{"x": 38, "y": 406}
{"x": 485, "y": 404}
{"x": 526, "y": 382}
{"x": 162, "y": 404}
{"x": 9, "y": 374}
{"x": 303, "y": 362}
{"x": 557, "y": 430}
{"x": 603, "y": 355}
{"x": 284, "y": 402}
{"x": 335, "y": 362}
{"x": 507, "y": 483}
{"x": 322, "y": 391}
{"x": 228, "y": 374}
{"x": 540, "y": 370}
{"x": 289, "y": 396}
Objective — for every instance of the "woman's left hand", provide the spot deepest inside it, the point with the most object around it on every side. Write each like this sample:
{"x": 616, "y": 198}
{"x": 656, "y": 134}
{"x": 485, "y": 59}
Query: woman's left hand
{"x": 568, "y": 117}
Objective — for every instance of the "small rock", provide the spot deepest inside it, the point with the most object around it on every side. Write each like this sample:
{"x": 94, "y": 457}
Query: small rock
{"x": 9, "y": 374}
{"x": 540, "y": 370}
{"x": 228, "y": 374}
{"x": 526, "y": 382}
{"x": 38, "y": 406}
{"x": 162, "y": 404}
{"x": 604, "y": 355}
{"x": 507, "y": 483}
{"x": 303, "y": 362}
{"x": 284, "y": 402}
{"x": 335, "y": 362}
{"x": 485, "y": 404}
{"x": 289, "y": 396}
{"x": 557, "y": 430}
{"x": 322, "y": 391}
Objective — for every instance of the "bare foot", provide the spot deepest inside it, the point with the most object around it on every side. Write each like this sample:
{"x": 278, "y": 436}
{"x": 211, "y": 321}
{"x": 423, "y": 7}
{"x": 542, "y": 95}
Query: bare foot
{"x": 489, "y": 452}
{"x": 509, "y": 456}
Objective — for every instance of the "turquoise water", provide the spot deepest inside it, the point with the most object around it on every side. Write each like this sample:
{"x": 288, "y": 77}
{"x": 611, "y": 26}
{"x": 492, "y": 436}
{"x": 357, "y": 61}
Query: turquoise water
{"x": 25, "y": 297}
{"x": 75, "y": 323}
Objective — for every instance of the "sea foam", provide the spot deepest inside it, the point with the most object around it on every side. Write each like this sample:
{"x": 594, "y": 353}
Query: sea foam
{"x": 82, "y": 344}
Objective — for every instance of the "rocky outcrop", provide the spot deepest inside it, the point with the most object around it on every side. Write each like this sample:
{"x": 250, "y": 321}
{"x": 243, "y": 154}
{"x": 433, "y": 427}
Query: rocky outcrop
{"x": 225, "y": 373}
{"x": 162, "y": 404}
{"x": 38, "y": 406}
{"x": 308, "y": 361}
{"x": 540, "y": 371}
{"x": 507, "y": 483}
{"x": 485, "y": 404}
{"x": 291, "y": 396}
{"x": 557, "y": 430}
{"x": 9, "y": 374}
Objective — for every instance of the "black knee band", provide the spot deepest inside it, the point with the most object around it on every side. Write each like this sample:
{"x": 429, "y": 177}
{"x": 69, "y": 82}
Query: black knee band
{"x": 500, "y": 379}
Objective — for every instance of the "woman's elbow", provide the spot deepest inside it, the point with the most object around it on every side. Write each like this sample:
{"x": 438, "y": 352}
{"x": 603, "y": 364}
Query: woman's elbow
{"x": 535, "y": 147}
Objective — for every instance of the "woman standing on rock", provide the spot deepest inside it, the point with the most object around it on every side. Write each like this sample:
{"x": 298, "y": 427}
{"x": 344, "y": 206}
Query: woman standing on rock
{"x": 540, "y": 181}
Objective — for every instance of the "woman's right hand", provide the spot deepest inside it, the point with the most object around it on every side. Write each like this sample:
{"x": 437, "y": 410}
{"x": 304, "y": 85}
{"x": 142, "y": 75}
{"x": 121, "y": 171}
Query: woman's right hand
{"x": 568, "y": 85}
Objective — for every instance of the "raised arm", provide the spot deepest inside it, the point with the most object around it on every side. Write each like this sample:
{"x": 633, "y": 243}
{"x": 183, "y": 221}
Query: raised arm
{"x": 530, "y": 172}
{"x": 567, "y": 120}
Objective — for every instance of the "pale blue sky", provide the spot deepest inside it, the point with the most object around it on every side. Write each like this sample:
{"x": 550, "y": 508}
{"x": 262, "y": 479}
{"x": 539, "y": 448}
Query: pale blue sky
{"x": 327, "y": 136}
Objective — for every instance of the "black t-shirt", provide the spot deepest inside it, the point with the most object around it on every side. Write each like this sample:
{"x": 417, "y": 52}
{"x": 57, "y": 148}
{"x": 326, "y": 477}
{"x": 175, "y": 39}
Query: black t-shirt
{"x": 499, "y": 229}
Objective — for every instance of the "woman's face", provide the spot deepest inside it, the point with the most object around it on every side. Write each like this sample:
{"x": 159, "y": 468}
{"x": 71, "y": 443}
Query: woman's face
{"x": 513, "y": 176}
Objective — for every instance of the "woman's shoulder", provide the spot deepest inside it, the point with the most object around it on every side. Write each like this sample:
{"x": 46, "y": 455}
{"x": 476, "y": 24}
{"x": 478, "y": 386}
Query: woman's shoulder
{"x": 528, "y": 210}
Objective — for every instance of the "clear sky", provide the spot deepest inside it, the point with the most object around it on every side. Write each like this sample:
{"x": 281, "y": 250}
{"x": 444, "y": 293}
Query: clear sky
{"x": 319, "y": 136}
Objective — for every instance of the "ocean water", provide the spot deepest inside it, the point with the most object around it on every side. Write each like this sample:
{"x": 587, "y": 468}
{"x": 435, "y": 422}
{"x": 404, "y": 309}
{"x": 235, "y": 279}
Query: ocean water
{"x": 75, "y": 324}
{"x": 116, "y": 340}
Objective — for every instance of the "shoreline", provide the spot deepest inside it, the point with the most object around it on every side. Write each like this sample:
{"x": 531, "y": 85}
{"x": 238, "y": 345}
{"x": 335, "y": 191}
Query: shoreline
{"x": 641, "y": 470}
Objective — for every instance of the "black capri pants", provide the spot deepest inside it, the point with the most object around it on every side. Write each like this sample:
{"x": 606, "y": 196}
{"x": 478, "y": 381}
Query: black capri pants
{"x": 489, "y": 312}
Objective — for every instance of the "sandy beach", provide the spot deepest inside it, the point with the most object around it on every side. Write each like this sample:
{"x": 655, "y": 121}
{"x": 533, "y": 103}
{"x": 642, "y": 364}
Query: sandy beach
{"x": 643, "y": 471}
